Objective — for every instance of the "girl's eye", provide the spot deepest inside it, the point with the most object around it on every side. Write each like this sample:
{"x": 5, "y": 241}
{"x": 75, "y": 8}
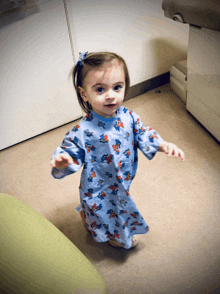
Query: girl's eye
{"x": 100, "y": 90}
{"x": 117, "y": 88}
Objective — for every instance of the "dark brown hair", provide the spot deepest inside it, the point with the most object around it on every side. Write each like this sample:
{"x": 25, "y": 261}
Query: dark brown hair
{"x": 92, "y": 61}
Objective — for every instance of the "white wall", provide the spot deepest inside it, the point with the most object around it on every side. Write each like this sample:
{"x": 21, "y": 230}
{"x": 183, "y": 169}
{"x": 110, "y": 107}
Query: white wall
{"x": 135, "y": 29}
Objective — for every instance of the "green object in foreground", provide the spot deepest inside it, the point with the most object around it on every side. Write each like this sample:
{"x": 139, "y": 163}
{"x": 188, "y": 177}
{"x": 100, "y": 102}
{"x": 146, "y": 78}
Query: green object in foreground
{"x": 35, "y": 257}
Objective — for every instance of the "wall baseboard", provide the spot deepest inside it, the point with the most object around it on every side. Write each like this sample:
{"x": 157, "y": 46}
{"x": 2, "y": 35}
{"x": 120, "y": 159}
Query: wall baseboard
{"x": 148, "y": 85}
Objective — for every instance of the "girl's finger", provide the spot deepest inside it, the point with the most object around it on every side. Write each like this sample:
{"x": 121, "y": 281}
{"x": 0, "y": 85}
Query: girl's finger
{"x": 182, "y": 155}
{"x": 166, "y": 149}
{"x": 176, "y": 152}
{"x": 171, "y": 149}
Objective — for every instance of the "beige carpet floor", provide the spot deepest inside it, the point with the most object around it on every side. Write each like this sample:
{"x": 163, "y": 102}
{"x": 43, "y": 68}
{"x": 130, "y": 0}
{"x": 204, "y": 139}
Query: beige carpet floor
{"x": 180, "y": 201}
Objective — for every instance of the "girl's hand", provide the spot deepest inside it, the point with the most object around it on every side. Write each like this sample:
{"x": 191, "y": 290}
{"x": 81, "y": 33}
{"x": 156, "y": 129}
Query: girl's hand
{"x": 61, "y": 161}
{"x": 171, "y": 149}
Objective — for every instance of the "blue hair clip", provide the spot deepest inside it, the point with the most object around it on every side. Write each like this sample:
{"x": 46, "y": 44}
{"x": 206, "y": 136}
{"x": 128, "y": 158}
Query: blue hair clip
{"x": 82, "y": 56}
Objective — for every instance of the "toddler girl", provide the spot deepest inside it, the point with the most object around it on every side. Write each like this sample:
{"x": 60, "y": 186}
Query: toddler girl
{"x": 105, "y": 143}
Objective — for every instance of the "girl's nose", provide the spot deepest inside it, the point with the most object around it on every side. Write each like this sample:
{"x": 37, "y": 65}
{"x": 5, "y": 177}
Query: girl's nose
{"x": 110, "y": 94}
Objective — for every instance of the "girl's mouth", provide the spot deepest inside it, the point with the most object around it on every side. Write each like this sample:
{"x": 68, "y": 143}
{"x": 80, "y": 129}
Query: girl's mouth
{"x": 110, "y": 105}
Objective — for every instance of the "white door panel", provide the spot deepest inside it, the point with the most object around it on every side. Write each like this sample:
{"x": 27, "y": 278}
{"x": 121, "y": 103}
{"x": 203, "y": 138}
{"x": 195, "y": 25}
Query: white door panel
{"x": 35, "y": 60}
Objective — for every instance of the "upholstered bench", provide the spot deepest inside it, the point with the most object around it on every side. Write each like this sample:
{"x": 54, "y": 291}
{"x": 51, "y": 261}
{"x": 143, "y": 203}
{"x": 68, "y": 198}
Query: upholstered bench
{"x": 35, "y": 257}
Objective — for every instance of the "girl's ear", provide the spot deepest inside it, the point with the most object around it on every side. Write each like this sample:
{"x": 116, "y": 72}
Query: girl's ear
{"x": 83, "y": 94}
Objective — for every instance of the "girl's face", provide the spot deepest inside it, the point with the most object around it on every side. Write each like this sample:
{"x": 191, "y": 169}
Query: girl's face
{"x": 104, "y": 88}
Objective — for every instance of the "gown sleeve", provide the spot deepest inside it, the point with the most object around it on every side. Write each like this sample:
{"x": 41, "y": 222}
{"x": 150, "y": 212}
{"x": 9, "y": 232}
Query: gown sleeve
{"x": 70, "y": 145}
{"x": 146, "y": 139}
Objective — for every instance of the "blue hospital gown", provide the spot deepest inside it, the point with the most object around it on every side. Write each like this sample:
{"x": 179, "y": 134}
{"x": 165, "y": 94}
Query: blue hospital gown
{"x": 107, "y": 150}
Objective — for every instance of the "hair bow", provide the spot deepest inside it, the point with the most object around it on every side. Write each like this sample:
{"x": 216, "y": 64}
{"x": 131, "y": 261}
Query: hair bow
{"x": 82, "y": 56}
